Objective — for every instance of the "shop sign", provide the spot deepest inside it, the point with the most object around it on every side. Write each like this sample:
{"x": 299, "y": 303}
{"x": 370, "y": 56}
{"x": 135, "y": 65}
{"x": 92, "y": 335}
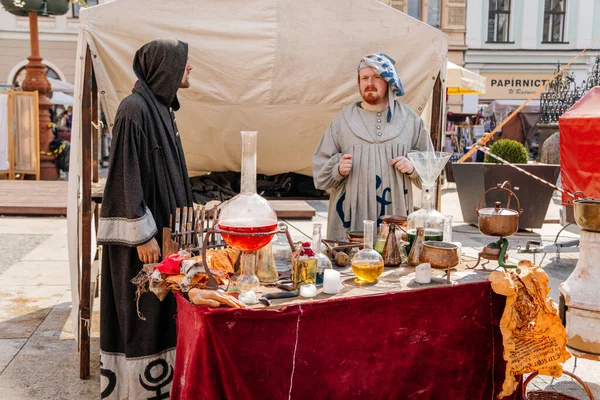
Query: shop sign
{"x": 513, "y": 86}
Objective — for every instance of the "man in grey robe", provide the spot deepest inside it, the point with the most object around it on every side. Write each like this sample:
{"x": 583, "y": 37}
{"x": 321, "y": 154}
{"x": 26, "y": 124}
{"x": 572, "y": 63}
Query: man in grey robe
{"x": 361, "y": 158}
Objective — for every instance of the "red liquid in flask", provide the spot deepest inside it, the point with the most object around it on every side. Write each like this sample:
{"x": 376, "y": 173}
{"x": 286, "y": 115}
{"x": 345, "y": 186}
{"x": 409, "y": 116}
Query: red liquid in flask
{"x": 247, "y": 243}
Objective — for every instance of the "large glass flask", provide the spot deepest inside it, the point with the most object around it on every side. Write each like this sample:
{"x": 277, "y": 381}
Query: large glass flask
{"x": 429, "y": 165}
{"x": 367, "y": 264}
{"x": 248, "y": 212}
{"x": 323, "y": 262}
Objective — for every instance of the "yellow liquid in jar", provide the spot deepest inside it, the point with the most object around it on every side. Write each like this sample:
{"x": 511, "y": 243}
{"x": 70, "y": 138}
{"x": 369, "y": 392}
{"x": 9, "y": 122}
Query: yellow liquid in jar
{"x": 367, "y": 272}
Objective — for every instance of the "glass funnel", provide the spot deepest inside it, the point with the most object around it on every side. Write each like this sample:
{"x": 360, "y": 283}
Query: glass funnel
{"x": 367, "y": 264}
{"x": 248, "y": 213}
{"x": 429, "y": 165}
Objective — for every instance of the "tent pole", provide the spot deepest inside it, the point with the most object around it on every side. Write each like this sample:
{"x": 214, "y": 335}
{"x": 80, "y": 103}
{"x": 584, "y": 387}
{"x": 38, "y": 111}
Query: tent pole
{"x": 86, "y": 231}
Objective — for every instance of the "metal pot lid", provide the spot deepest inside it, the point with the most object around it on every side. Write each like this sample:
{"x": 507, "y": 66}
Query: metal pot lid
{"x": 498, "y": 211}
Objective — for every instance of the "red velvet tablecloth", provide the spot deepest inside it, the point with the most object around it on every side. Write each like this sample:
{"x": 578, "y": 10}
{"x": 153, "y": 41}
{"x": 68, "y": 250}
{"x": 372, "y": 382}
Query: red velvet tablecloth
{"x": 438, "y": 343}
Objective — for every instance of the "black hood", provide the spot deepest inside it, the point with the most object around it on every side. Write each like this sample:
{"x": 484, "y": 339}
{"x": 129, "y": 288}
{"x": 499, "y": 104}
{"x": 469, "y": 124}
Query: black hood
{"x": 159, "y": 66}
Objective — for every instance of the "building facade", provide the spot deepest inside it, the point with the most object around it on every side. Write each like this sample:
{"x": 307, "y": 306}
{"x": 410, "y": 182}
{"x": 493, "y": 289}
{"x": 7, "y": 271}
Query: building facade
{"x": 448, "y": 15}
{"x": 517, "y": 44}
{"x": 58, "y": 44}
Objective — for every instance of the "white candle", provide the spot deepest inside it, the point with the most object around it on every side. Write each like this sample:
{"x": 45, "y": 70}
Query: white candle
{"x": 248, "y": 298}
{"x": 309, "y": 290}
{"x": 331, "y": 281}
{"x": 423, "y": 273}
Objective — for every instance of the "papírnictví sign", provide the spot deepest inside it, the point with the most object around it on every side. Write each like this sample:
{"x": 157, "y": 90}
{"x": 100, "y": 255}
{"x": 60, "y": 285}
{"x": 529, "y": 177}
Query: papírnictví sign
{"x": 513, "y": 86}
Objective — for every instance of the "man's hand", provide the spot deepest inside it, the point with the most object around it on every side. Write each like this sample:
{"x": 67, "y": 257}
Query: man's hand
{"x": 403, "y": 165}
{"x": 345, "y": 164}
{"x": 213, "y": 298}
{"x": 149, "y": 252}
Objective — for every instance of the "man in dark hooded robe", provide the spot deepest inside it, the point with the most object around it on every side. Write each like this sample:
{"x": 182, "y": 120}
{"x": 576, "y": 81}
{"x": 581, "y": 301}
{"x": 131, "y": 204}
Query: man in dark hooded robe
{"x": 147, "y": 180}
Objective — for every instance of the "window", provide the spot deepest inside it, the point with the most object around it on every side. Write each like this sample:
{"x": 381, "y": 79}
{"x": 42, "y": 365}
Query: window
{"x": 433, "y": 13}
{"x": 413, "y": 8}
{"x": 554, "y": 21}
{"x": 499, "y": 21}
{"x": 76, "y": 6}
{"x": 22, "y": 72}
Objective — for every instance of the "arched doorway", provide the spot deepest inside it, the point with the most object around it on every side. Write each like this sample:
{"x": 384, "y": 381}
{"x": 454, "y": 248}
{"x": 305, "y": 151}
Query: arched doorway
{"x": 19, "y": 76}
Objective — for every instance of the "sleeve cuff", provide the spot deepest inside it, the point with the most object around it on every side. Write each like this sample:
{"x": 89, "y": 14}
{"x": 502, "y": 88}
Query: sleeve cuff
{"x": 414, "y": 175}
{"x": 125, "y": 231}
{"x": 336, "y": 173}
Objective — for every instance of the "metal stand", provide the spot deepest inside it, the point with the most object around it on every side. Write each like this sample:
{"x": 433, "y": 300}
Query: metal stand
{"x": 212, "y": 282}
{"x": 495, "y": 251}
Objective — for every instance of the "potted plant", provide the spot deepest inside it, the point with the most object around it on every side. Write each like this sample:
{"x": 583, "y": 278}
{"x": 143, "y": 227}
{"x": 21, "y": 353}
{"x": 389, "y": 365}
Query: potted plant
{"x": 472, "y": 180}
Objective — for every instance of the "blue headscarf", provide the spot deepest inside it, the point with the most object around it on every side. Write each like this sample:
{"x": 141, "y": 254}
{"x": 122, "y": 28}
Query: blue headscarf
{"x": 384, "y": 66}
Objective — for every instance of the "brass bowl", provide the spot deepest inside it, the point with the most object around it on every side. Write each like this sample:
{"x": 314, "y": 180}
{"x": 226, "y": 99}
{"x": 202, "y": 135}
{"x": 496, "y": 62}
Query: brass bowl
{"x": 587, "y": 214}
{"x": 441, "y": 255}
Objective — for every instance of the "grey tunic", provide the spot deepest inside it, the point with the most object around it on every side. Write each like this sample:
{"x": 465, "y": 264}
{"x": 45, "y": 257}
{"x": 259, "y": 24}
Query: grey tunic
{"x": 373, "y": 188}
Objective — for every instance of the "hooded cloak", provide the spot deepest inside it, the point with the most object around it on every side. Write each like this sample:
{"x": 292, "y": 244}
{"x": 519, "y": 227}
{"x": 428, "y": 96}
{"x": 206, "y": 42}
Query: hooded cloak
{"x": 147, "y": 180}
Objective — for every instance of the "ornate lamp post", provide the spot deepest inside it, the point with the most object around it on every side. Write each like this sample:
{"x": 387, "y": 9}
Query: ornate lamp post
{"x": 35, "y": 79}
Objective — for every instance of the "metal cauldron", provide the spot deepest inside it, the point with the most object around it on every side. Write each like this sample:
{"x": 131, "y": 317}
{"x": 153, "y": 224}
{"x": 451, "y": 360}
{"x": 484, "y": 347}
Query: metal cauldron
{"x": 442, "y": 255}
{"x": 498, "y": 221}
{"x": 587, "y": 212}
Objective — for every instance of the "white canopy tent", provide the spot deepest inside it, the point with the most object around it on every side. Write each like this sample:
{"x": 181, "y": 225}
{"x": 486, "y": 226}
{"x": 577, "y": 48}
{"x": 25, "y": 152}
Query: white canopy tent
{"x": 462, "y": 81}
{"x": 61, "y": 86}
{"x": 282, "y": 67}
{"x": 61, "y": 99}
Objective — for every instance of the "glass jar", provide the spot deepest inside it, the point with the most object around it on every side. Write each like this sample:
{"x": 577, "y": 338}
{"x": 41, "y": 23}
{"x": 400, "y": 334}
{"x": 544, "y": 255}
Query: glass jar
{"x": 282, "y": 251}
{"x": 428, "y": 166}
{"x": 448, "y": 228}
{"x": 367, "y": 264}
{"x": 247, "y": 283}
{"x": 323, "y": 262}
{"x": 266, "y": 269}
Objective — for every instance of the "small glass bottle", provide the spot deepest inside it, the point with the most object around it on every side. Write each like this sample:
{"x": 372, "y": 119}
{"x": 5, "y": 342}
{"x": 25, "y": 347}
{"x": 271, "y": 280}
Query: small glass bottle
{"x": 367, "y": 264}
{"x": 266, "y": 269}
{"x": 304, "y": 266}
{"x": 323, "y": 262}
{"x": 247, "y": 282}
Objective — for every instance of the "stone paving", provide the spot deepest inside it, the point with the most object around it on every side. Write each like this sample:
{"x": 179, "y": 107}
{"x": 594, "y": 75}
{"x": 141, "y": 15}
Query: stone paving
{"x": 38, "y": 353}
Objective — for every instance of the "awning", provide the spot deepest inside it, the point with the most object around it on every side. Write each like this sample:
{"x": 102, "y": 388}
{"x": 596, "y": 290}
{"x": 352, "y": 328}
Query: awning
{"x": 502, "y": 108}
{"x": 61, "y": 98}
{"x": 61, "y": 86}
{"x": 462, "y": 81}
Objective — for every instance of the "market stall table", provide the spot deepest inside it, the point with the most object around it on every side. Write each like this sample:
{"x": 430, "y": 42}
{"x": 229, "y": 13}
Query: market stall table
{"x": 384, "y": 341}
